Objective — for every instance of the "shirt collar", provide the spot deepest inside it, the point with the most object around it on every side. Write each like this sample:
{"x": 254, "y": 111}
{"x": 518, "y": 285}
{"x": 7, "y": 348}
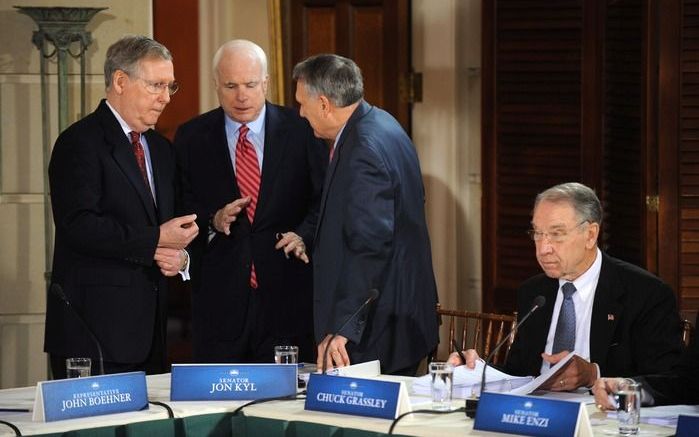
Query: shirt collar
{"x": 124, "y": 125}
{"x": 255, "y": 126}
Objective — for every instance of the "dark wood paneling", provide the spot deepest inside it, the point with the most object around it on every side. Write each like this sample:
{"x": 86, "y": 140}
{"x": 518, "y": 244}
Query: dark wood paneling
{"x": 689, "y": 157}
{"x": 373, "y": 33}
{"x": 624, "y": 154}
{"x": 531, "y": 127}
{"x": 169, "y": 17}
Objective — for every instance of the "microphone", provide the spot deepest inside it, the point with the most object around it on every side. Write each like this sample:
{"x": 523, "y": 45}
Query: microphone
{"x": 57, "y": 290}
{"x": 373, "y": 294}
{"x": 472, "y": 404}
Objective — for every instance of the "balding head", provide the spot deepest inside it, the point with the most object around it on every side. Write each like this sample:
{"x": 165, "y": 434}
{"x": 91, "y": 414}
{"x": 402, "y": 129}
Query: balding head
{"x": 241, "y": 49}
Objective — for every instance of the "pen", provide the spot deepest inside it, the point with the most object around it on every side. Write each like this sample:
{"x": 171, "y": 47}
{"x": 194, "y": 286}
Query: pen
{"x": 457, "y": 349}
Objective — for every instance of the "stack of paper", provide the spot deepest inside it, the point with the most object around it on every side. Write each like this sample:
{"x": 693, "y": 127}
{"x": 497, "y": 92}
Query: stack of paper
{"x": 468, "y": 381}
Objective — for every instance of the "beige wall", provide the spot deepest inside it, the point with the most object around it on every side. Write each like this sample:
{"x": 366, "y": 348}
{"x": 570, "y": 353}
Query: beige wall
{"x": 22, "y": 262}
{"x": 446, "y": 132}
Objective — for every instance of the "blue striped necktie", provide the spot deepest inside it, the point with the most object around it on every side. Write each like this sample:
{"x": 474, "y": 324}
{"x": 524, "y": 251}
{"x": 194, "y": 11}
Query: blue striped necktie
{"x": 564, "y": 339}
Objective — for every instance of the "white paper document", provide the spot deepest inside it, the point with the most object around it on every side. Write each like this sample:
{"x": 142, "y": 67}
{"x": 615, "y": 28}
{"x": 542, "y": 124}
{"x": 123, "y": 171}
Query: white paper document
{"x": 541, "y": 379}
{"x": 468, "y": 381}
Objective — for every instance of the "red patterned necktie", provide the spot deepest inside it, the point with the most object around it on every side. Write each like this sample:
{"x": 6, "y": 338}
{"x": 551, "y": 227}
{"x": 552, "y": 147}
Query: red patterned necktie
{"x": 247, "y": 170}
{"x": 140, "y": 156}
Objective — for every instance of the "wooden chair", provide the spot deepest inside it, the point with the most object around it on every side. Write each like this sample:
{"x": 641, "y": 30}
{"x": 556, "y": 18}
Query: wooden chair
{"x": 687, "y": 332}
{"x": 479, "y": 331}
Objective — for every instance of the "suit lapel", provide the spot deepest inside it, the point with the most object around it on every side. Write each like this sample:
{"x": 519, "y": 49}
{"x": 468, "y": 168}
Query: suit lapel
{"x": 122, "y": 152}
{"x": 274, "y": 147}
{"x": 605, "y": 311}
{"x": 362, "y": 109}
{"x": 163, "y": 190}
{"x": 218, "y": 142}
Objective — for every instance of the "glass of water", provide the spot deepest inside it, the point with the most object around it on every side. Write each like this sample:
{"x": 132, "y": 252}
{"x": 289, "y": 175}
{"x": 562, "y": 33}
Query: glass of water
{"x": 286, "y": 354}
{"x": 442, "y": 376}
{"x": 628, "y": 398}
{"x": 78, "y": 367}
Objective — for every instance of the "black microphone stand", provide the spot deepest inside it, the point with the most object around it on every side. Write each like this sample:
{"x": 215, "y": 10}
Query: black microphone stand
{"x": 472, "y": 402}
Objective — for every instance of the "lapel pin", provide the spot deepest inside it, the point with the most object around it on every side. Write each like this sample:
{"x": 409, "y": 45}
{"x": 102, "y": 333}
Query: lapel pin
{"x": 610, "y": 317}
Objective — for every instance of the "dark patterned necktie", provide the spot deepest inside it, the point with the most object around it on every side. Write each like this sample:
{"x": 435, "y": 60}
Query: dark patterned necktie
{"x": 247, "y": 170}
{"x": 564, "y": 339}
{"x": 140, "y": 157}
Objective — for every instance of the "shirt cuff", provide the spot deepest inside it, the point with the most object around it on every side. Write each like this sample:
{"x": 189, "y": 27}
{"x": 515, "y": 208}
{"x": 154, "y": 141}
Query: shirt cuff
{"x": 184, "y": 273}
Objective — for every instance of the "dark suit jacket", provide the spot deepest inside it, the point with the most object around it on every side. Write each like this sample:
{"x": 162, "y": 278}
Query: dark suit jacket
{"x": 107, "y": 229}
{"x": 372, "y": 234}
{"x": 635, "y": 327}
{"x": 681, "y": 385}
{"x": 292, "y": 173}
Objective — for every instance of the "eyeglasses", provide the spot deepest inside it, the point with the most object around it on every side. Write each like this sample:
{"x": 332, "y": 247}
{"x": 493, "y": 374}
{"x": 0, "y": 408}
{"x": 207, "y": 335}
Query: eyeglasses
{"x": 159, "y": 87}
{"x": 555, "y": 236}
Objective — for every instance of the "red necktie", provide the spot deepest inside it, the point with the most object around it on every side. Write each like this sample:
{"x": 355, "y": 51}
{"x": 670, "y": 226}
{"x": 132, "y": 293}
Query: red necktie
{"x": 140, "y": 157}
{"x": 247, "y": 170}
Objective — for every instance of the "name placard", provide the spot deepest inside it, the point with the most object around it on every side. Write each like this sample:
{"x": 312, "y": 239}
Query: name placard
{"x": 219, "y": 382}
{"x": 90, "y": 396}
{"x": 525, "y": 415}
{"x": 357, "y": 396}
{"x": 687, "y": 426}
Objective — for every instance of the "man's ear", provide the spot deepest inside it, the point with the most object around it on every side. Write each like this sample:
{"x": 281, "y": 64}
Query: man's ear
{"x": 324, "y": 104}
{"x": 592, "y": 235}
{"x": 119, "y": 79}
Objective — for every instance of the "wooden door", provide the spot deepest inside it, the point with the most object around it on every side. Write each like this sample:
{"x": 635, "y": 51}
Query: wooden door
{"x": 373, "y": 33}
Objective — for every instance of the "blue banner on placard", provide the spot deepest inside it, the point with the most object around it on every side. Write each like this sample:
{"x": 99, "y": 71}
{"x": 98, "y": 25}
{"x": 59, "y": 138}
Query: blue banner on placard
{"x": 526, "y": 415}
{"x": 219, "y": 382}
{"x": 347, "y": 395}
{"x": 94, "y": 395}
{"x": 687, "y": 426}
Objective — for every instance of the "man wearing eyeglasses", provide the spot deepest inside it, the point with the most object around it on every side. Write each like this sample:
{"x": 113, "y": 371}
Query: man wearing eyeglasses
{"x": 112, "y": 181}
{"x": 618, "y": 318}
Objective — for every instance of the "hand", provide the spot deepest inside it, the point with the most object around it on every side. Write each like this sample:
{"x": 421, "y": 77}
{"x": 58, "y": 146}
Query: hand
{"x": 603, "y": 389}
{"x": 223, "y": 218}
{"x": 471, "y": 357}
{"x": 170, "y": 261}
{"x": 290, "y": 242}
{"x": 576, "y": 373}
{"x": 336, "y": 353}
{"x": 178, "y": 232}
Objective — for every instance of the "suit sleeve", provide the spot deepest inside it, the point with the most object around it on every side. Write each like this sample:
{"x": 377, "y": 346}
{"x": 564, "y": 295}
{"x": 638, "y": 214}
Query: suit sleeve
{"x": 368, "y": 230}
{"x": 80, "y": 198}
{"x": 679, "y": 386}
{"x": 657, "y": 339}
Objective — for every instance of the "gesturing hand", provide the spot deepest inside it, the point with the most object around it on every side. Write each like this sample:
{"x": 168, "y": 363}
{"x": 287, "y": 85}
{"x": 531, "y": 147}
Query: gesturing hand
{"x": 178, "y": 232}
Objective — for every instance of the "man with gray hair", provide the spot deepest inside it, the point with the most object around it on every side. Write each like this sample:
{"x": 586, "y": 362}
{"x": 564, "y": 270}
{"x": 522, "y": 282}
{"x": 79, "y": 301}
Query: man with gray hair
{"x": 252, "y": 172}
{"x": 112, "y": 181}
{"x": 618, "y": 318}
{"x": 372, "y": 240}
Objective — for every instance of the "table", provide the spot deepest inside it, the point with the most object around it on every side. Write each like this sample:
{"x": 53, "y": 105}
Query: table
{"x": 278, "y": 418}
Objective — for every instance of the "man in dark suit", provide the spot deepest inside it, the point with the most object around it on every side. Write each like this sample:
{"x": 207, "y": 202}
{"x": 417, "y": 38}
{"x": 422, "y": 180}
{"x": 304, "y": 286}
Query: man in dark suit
{"x": 679, "y": 386}
{"x": 624, "y": 319}
{"x": 372, "y": 233}
{"x": 112, "y": 190}
{"x": 252, "y": 284}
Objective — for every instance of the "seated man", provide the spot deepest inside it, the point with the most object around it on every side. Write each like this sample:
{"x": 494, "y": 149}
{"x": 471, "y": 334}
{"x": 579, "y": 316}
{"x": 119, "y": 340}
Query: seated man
{"x": 620, "y": 319}
{"x": 680, "y": 386}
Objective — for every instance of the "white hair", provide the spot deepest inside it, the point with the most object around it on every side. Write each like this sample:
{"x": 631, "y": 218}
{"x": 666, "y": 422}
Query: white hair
{"x": 244, "y": 46}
